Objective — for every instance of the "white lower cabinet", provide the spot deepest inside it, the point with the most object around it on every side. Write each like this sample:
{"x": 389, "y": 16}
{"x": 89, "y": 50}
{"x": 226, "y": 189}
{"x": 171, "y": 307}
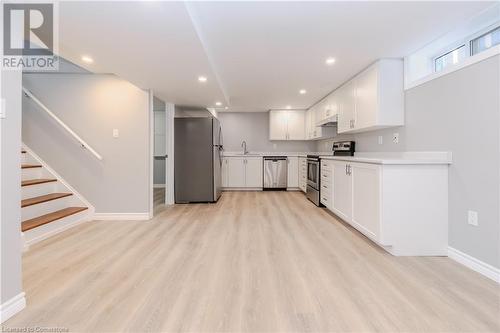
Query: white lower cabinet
{"x": 366, "y": 198}
{"x": 342, "y": 190}
{"x": 254, "y": 172}
{"x": 293, "y": 172}
{"x": 403, "y": 208}
{"x": 235, "y": 172}
{"x": 242, "y": 172}
{"x": 224, "y": 172}
{"x": 303, "y": 174}
{"x": 326, "y": 183}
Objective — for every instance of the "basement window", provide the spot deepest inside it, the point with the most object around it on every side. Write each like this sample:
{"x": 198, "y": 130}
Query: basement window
{"x": 450, "y": 58}
{"x": 485, "y": 41}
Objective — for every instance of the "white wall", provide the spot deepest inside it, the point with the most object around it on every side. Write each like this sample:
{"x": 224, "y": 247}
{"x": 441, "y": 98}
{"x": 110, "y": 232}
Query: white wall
{"x": 93, "y": 105}
{"x": 458, "y": 112}
{"x": 253, "y": 127}
{"x": 10, "y": 187}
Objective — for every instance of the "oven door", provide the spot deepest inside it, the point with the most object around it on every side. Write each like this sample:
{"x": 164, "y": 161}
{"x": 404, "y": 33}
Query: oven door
{"x": 313, "y": 173}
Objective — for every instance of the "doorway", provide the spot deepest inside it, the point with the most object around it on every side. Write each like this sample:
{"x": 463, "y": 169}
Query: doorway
{"x": 162, "y": 189}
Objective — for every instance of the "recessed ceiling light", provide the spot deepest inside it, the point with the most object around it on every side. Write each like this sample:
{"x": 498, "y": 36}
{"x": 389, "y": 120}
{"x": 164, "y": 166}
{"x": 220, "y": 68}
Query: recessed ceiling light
{"x": 218, "y": 103}
{"x": 302, "y": 91}
{"x": 330, "y": 61}
{"x": 87, "y": 59}
{"x": 288, "y": 107}
{"x": 202, "y": 78}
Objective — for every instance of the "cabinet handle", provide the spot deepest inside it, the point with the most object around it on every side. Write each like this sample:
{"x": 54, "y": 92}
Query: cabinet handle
{"x": 346, "y": 169}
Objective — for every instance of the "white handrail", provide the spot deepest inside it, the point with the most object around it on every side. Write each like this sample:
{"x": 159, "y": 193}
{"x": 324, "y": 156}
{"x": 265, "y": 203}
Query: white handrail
{"x": 60, "y": 122}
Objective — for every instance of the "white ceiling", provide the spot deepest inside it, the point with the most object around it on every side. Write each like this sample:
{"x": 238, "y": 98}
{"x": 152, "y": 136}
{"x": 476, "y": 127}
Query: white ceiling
{"x": 256, "y": 55}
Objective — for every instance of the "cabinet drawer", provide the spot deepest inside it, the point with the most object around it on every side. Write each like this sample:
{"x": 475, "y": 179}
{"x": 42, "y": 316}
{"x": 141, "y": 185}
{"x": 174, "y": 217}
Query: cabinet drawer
{"x": 325, "y": 200}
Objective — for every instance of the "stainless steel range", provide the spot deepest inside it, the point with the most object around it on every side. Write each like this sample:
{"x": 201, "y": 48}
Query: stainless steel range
{"x": 313, "y": 176}
{"x": 339, "y": 148}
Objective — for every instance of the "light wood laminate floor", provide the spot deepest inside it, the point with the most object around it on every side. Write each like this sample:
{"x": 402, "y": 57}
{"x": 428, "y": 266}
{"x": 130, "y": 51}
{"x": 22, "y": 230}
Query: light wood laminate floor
{"x": 253, "y": 262}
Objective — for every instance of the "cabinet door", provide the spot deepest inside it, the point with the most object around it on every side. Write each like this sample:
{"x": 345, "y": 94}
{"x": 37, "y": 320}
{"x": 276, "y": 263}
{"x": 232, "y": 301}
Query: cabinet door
{"x": 224, "y": 172}
{"x": 296, "y": 128}
{"x": 254, "y": 170}
{"x": 366, "y": 85}
{"x": 342, "y": 191}
{"x": 320, "y": 111}
{"x": 236, "y": 172}
{"x": 366, "y": 198}
{"x": 346, "y": 120}
{"x": 314, "y": 128}
{"x": 278, "y": 125}
{"x": 333, "y": 104}
{"x": 293, "y": 172}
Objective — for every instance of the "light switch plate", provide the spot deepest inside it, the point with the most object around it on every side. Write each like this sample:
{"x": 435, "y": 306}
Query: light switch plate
{"x": 472, "y": 218}
{"x": 116, "y": 133}
{"x": 395, "y": 138}
{"x": 380, "y": 139}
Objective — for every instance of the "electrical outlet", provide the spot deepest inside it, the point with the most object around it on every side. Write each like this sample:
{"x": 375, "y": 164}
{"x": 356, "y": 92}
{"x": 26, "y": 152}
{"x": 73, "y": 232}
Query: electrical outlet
{"x": 472, "y": 218}
{"x": 395, "y": 138}
{"x": 116, "y": 133}
{"x": 380, "y": 139}
{"x": 275, "y": 146}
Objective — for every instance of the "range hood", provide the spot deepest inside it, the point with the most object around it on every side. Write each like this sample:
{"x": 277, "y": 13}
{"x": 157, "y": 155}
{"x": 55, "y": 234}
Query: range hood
{"x": 328, "y": 122}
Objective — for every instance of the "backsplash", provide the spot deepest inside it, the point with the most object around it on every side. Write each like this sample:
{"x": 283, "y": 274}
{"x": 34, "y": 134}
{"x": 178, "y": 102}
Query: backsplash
{"x": 369, "y": 141}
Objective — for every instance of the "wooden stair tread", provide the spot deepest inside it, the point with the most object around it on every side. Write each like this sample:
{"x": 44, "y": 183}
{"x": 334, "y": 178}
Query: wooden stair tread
{"x": 47, "y": 218}
{"x": 29, "y": 166}
{"x": 43, "y": 198}
{"x": 37, "y": 181}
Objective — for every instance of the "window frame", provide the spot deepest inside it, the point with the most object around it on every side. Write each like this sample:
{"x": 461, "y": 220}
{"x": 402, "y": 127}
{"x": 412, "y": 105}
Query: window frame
{"x": 467, "y": 42}
{"x": 459, "y": 46}
{"x": 484, "y": 33}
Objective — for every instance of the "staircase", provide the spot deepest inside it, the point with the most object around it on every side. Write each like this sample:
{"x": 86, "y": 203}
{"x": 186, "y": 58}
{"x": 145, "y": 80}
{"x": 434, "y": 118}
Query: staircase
{"x": 49, "y": 205}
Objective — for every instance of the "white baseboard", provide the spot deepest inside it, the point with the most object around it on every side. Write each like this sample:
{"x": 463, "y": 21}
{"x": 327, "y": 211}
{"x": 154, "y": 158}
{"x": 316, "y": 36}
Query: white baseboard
{"x": 474, "y": 264}
{"x": 159, "y": 185}
{"x": 12, "y": 306}
{"x": 121, "y": 216}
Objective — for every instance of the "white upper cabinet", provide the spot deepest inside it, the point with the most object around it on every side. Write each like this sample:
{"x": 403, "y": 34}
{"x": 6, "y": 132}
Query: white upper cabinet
{"x": 287, "y": 125}
{"x": 346, "y": 107}
{"x": 373, "y": 99}
{"x": 277, "y": 125}
{"x": 296, "y": 125}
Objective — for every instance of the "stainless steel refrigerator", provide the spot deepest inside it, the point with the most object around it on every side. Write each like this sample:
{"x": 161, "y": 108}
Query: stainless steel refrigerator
{"x": 198, "y": 159}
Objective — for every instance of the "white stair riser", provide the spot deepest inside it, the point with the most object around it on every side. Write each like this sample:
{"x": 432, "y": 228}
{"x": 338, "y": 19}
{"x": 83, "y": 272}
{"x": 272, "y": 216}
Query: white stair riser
{"x": 31, "y": 173}
{"x": 37, "y": 190}
{"x": 47, "y": 207}
{"x": 49, "y": 229}
{"x": 28, "y": 159}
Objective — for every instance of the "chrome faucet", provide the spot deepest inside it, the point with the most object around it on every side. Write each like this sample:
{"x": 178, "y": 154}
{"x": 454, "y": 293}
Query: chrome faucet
{"x": 244, "y": 146}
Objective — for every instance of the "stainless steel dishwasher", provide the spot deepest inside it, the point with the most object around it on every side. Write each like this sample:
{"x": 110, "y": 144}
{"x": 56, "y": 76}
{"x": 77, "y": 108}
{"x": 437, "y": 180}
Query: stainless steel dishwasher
{"x": 275, "y": 172}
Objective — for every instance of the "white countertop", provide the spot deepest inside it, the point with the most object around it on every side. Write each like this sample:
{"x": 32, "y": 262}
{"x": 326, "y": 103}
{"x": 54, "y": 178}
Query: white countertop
{"x": 400, "y": 158}
{"x": 272, "y": 153}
